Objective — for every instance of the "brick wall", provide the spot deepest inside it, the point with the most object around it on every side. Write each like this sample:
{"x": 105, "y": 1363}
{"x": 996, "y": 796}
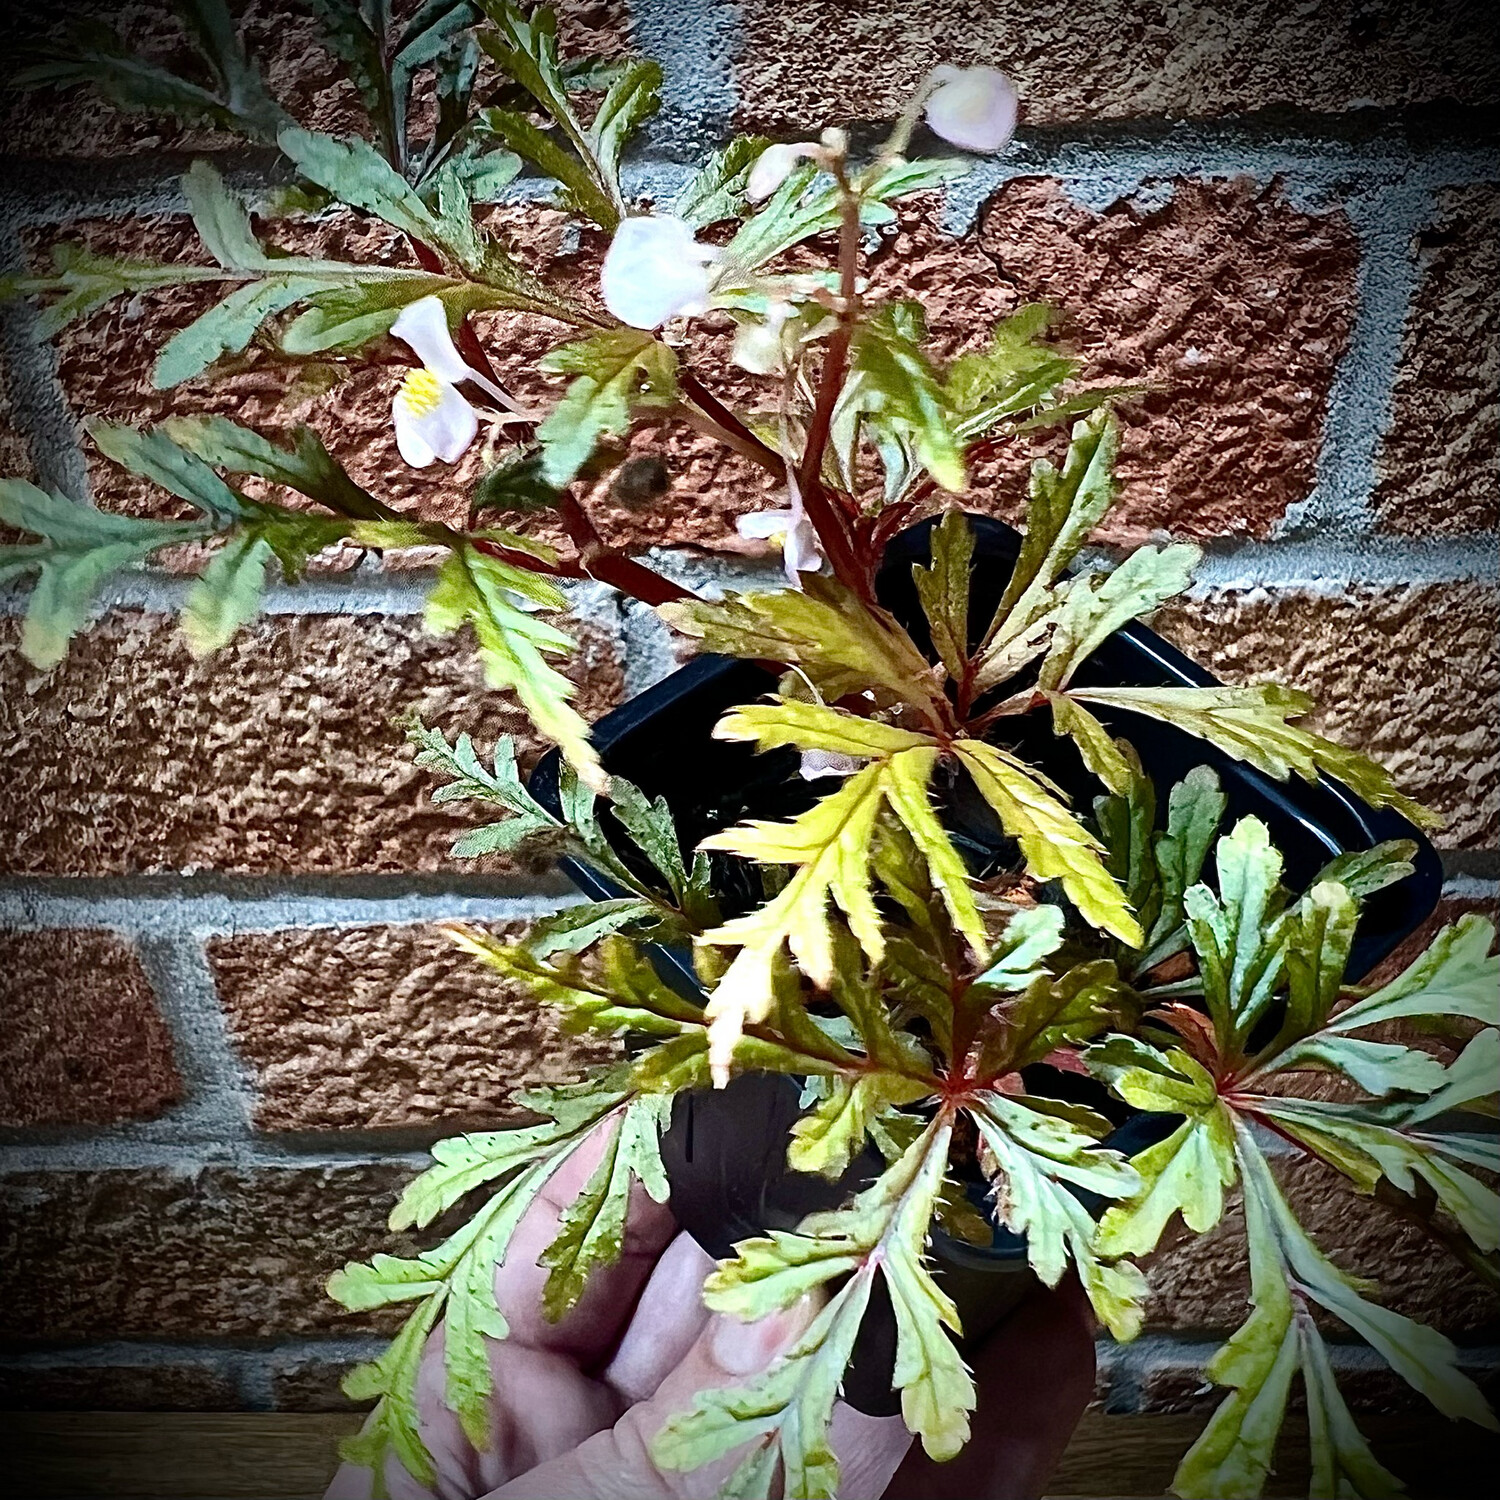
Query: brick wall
{"x": 228, "y": 1031}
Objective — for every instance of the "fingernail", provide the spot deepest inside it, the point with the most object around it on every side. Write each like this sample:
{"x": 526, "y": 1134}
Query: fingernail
{"x": 741, "y": 1348}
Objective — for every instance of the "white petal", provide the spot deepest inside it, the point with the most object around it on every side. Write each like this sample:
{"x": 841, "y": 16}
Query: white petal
{"x": 817, "y": 763}
{"x": 433, "y": 430}
{"x": 655, "y": 270}
{"x": 773, "y": 166}
{"x": 423, "y": 327}
{"x": 800, "y": 550}
{"x": 762, "y": 525}
{"x": 974, "y": 108}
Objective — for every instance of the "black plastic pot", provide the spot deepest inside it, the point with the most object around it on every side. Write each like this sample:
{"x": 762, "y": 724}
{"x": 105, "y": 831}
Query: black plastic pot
{"x": 725, "y": 1151}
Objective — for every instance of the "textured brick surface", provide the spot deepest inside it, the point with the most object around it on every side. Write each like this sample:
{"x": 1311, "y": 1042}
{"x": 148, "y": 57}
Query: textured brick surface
{"x": 1408, "y": 675}
{"x": 221, "y": 1252}
{"x": 1202, "y": 1282}
{"x": 82, "y": 1040}
{"x": 828, "y": 62}
{"x": 279, "y": 753}
{"x": 1229, "y": 303}
{"x": 1440, "y": 464}
{"x": 377, "y": 1026}
{"x": 104, "y": 365}
{"x": 114, "y": 1387}
{"x": 280, "y": 36}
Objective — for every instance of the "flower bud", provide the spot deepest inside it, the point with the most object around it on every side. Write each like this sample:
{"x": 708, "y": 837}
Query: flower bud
{"x": 773, "y": 166}
{"x": 974, "y": 108}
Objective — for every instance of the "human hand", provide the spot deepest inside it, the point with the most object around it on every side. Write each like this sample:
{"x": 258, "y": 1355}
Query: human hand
{"x": 577, "y": 1402}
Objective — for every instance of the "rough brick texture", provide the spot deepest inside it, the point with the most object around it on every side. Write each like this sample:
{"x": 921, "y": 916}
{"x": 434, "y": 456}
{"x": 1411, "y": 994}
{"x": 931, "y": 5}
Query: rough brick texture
{"x": 385, "y": 1026}
{"x": 217, "y": 1252}
{"x": 1202, "y": 1282}
{"x": 279, "y": 753}
{"x": 83, "y": 1042}
{"x": 1407, "y": 675}
{"x": 1440, "y": 465}
{"x": 829, "y": 63}
{"x": 1230, "y": 304}
{"x": 280, "y": 36}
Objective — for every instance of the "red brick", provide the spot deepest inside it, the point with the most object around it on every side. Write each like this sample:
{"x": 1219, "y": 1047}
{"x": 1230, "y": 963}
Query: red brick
{"x": 221, "y": 1252}
{"x": 279, "y": 753}
{"x": 1232, "y": 305}
{"x": 824, "y": 62}
{"x": 83, "y": 1042}
{"x": 280, "y": 36}
{"x": 1408, "y": 675}
{"x": 385, "y": 1026}
{"x": 1440, "y": 463}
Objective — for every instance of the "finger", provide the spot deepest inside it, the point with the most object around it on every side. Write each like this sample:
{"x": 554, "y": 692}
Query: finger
{"x": 617, "y": 1464}
{"x": 590, "y": 1331}
{"x": 869, "y": 1451}
{"x": 1035, "y": 1376}
{"x": 543, "y": 1404}
{"x": 668, "y": 1319}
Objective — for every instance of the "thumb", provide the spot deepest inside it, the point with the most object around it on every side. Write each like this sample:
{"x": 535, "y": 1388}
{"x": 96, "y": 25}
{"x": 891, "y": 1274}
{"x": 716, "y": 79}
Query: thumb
{"x": 616, "y": 1464}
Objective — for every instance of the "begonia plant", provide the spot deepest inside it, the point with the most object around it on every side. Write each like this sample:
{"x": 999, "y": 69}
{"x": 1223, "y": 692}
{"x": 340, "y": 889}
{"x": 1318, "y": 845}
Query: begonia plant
{"x": 910, "y": 990}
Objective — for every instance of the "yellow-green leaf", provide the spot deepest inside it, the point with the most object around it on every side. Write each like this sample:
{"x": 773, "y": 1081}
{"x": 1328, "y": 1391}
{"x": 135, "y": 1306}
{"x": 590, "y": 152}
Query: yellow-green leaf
{"x": 1055, "y": 844}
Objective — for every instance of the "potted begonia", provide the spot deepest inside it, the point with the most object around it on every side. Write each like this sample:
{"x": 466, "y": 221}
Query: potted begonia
{"x": 976, "y": 930}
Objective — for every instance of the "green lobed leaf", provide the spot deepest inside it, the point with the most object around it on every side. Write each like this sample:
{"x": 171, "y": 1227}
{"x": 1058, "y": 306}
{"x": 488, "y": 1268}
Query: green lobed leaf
{"x": 155, "y": 456}
{"x": 591, "y": 1230}
{"x": 1195, "y": 808}
{"x": 717, "y": 191}
{"x": 822, "y": 628}
{"x": 1188, "y": 1172}
{"x": 1094, "y": 607}
{"x": 1251, "y": 724}
{"x": 830, "y": 1135}
{"x": 631, "y": 99}
{"x": 1064, "y": 506}
{"x": 1037, "y": 1157}
{"x": 81, "y": 548}
{"x": 476, "y": 589}
{"x": 1455, "y": 978}
{"x": 1056, "y": 846}
{"x": 899, "y": 388}
{"x": 309, "y": 468}
{"x": 944, "y": 591}
{"x": 1239, "y": 934}
{"x": 615, "y": 371}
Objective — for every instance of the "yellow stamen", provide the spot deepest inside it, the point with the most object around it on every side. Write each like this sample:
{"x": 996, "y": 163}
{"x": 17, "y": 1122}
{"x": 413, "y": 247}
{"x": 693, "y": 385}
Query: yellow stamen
{"x": 420, "y": 392}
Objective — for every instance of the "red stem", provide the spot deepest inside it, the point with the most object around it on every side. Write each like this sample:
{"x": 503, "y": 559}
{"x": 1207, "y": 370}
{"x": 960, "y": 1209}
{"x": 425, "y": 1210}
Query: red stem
{"x": 598, "y": 560}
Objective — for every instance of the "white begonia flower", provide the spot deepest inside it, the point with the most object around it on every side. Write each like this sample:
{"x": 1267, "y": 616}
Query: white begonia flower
{"x": 655, "y": 270}
{"x": 774, "y": 165}
{"x": 800, "y": 552}
{"x": 816, "y": 763}
{"x": 433, "y": 418}
{"x": 974, "y": 108}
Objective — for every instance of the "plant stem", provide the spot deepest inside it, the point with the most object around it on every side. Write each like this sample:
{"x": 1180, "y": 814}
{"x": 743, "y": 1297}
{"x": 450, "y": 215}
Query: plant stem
{"x": 828, "y": 519}
{"x": 600, "y": 561}
{"x": 733, "y": 431}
